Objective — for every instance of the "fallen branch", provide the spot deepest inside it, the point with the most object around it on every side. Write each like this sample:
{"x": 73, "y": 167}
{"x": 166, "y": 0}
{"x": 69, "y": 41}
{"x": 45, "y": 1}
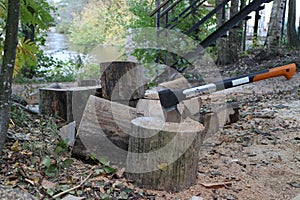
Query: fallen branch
{"x": 77, "y": 186}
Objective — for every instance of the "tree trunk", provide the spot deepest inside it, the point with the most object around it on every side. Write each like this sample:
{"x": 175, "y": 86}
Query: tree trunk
{"x": 293, "y": 38}
{"x": 223, "y": 49}
{"x": 274, "y": 30}
{"x": 7, "y": 68}
{"x": 234, "y": 34}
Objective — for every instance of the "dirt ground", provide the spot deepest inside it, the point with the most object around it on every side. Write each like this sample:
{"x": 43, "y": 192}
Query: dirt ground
{"x": 257, "y": 157}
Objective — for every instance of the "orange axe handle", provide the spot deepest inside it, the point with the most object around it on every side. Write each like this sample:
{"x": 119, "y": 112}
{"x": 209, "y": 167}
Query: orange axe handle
{"x": 287, "y": 70}
{"x": 170, "y": 98}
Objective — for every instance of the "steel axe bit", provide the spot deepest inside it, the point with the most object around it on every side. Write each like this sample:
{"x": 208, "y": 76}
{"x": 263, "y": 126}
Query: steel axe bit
{"x": 169, "y": 99}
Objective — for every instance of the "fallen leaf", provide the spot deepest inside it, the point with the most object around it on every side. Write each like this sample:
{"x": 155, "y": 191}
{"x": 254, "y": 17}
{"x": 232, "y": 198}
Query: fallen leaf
{"x": 15, "y": 146}
{"x": 48, "y": 184}
{"x": 102, "y": 190}
{"x": 11, "y": 124}
{"x": 163, "y": 166}
{"x": 120, "y": 172}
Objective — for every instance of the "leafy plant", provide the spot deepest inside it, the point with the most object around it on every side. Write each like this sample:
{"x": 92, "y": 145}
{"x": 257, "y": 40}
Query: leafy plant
{"x": 53, "y": 166}
{"x": 26, "y": 51}
{"x": 31, "y": 12}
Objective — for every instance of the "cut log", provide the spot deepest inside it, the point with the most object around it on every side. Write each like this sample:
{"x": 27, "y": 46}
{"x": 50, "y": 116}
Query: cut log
{"x": 180, "y": 84}
{"x": 150, "y": 108}
{"x": 122, "y": 81}
{"x": 66, "y": 103}
{"x": 104, "y": 131}
{"x": 164, "y": 156}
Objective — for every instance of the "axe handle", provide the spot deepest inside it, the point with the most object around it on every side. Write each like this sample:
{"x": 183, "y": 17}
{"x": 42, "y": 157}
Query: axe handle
{"x": 170, "y": 98}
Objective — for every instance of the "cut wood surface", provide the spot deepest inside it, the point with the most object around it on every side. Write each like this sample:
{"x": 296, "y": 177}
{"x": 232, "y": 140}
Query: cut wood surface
{"x": 104, "y": 129}
{"x": 162, "y": 155}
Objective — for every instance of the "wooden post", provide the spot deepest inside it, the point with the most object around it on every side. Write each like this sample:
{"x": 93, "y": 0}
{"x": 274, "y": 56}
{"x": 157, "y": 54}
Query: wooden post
{"x": 163, "y": 155}
{"x": 122, "y": 81}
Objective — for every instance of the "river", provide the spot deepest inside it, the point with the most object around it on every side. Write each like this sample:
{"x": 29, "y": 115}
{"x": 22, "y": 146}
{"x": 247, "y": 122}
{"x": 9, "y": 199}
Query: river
{"x": 58, "y": 46}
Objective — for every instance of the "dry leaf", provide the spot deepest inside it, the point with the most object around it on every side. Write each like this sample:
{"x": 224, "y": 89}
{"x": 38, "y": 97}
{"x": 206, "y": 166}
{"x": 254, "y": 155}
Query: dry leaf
{"x": 163, "y": 166}
{"x": 120, "y": 172}
{"x": 48, "y": 184}
{"x": 11, "y": 123}
{"x": 102, "y": 190}
{"x": 15, "y": 146}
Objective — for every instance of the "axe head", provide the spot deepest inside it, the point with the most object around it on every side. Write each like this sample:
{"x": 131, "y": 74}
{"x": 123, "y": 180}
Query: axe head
{"x": 169, "y": 100}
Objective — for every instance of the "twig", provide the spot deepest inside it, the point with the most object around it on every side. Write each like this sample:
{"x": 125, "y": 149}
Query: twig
{"x": 77, "y": 186}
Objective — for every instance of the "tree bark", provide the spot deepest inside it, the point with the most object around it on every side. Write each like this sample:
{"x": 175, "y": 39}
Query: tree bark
{"x": 223, "y": 48}
{"x": 292, "y": 36}
{"x": 234, "y": 34}
{"x": 7, "y": 68}
{"x": 162, "y": 155}
{"x": 122, "y": 82}
{"x": 274, "y": 30}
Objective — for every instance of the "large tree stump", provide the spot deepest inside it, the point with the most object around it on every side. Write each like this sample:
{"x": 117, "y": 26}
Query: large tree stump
{"x": 67, "y": 103}
{"x": 163, "y": 155}
{"x": 122, "y": 81}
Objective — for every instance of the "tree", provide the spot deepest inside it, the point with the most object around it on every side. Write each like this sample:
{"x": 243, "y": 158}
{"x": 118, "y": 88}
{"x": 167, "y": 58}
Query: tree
{"x": 234, "y": 34}
{"x": 7, "y": 67}
{"x": 223, "y": 48}
{"x": 272, "y": 42}
{"x": 292, "y": 36}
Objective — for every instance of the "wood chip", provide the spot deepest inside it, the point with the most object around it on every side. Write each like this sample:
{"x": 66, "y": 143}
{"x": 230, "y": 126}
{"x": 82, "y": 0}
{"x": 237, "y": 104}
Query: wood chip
{"x": 216, "y": 185}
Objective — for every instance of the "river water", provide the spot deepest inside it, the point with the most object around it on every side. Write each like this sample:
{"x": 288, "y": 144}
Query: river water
{"x": 58, "y": 46}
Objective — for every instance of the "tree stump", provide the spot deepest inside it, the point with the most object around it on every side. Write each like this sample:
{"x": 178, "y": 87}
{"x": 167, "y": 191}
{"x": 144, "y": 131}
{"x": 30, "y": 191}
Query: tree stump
{"x": 68, "y": 103}
{"x": 122, "y": 81}
{"x": 164, "y": 155}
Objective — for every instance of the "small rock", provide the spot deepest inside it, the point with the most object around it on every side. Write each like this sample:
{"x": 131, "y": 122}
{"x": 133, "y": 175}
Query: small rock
{"x": 264, "y": 142}
{"x": 294, "y": 184}
{"x": 196, "y": 198}
{"x": 252, "y": 155}
{"x": 215, "y": 167}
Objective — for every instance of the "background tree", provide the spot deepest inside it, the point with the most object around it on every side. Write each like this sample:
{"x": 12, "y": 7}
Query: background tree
{"x": 272, "y": 42}
{"x": 235, "y": 34}
{"x": 7, "y": 67}
{"x": 292, "y": 36}
{"x": 223, "y": 54}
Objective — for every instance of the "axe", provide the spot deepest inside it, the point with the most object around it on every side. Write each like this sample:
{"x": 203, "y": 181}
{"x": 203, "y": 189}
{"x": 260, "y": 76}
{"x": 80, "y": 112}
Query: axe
{"x": 170, "y": 98}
